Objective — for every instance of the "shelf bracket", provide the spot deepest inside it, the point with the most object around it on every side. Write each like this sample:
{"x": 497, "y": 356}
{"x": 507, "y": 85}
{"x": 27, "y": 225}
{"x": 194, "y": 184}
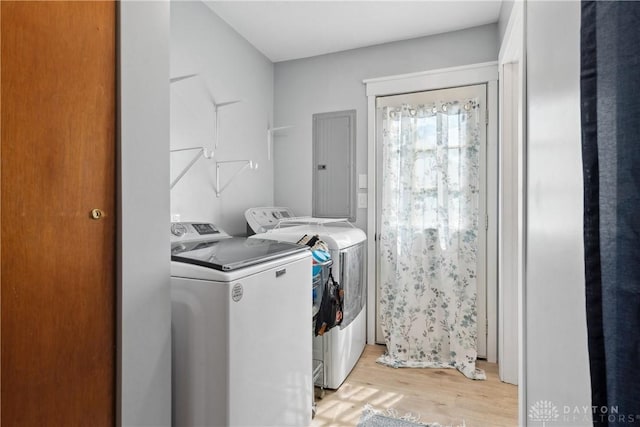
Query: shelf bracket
{"x": 202, "y": 152}
{"x": 247, "y": 164}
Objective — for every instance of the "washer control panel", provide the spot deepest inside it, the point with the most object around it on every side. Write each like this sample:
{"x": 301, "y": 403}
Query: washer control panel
{"x": 265, "y": 218}
{"x": 189, "y": 231}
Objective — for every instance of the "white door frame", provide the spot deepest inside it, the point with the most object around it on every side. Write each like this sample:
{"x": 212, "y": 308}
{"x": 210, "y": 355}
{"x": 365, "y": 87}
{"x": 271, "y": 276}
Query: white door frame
{"x": 512, "y": 219}
{"x": 430, "y": 80}
{"x": 511, "y": 199}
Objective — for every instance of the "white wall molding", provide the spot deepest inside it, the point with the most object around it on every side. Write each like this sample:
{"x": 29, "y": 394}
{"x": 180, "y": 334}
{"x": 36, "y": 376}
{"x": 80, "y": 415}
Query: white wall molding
{"x": 511, "y": 49}
{"x": 434, "y": 79}
{"x": 511, "y": 246}
{"x": 512, "y": 195}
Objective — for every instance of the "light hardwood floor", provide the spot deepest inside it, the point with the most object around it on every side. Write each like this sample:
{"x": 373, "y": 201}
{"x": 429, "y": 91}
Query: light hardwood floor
{"x": 444, "y": 396}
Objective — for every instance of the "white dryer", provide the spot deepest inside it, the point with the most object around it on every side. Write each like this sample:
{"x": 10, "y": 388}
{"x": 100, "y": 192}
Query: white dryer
{"x": 342, "y": 346}
{"x": 241, "y": 345}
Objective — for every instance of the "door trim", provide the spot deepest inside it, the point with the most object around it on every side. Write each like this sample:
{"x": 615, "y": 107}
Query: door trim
{"x": 483, "y": 73}
{"x": 511, "y": 185}
{"x": 143, "y": 258}
{"x": 512, "y": 51}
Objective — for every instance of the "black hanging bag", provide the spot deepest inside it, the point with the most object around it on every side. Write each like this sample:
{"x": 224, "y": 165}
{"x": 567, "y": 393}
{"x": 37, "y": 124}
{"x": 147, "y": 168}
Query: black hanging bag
{"x": 330, "y": 313}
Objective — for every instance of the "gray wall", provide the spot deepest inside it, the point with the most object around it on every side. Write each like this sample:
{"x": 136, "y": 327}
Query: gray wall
{"x": 556, "y": 359}
{"x": 334, "y": 82}
{"x": 230, "y": 69}
{"x": 503, "y": 19}
{"x": 144, "y": 310}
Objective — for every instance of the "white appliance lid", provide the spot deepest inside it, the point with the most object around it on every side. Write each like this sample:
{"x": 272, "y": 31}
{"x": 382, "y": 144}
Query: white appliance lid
{"x": 233, "y": 253}
{"x": 336, "y": 237}
{"x": 263, "y": 219}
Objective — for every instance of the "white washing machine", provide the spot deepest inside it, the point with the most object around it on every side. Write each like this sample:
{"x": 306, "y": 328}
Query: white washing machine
{"x": 241, "y": 344}
{"x": 342, "y": 346}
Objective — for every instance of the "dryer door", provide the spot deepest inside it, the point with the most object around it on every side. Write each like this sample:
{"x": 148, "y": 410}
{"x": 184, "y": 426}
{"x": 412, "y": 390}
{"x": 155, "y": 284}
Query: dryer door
{"x": 352, "y": 279}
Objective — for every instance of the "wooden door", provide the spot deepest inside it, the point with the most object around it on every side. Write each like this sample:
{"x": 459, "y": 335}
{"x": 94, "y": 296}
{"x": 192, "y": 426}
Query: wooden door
{"x": 57, "y": 164}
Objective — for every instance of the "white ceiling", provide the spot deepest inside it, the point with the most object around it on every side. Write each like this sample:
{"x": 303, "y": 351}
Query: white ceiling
{"x": 284, "y": 30}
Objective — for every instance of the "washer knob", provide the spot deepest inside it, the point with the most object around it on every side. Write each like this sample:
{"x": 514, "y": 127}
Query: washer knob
{"x": 178, "y": 229}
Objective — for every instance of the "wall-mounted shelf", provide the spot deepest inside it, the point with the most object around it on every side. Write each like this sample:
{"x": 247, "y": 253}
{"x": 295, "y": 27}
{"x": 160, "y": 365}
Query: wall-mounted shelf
{"x": 209, "y": 154}
{"x": 247, "y": 164}
{"x": 270, "y": 132}
{"x": 216, "y": 105}
{"x": 202, "y": 152}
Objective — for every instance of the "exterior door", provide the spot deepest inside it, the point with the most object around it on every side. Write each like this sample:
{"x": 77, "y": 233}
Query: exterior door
{"x": 428, "y": 197}
{"x": 57, "y": 257}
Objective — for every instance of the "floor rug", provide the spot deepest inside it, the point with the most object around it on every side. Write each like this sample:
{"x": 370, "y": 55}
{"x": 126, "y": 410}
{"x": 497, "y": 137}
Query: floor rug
{"x": 389, "y": 418}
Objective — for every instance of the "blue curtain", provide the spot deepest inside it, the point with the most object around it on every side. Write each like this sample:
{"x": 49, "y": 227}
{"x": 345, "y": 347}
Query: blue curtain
{"x": 610, "y": 102}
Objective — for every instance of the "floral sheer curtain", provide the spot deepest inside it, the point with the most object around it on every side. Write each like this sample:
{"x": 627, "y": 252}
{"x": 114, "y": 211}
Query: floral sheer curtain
{"x": 429, "y": 235}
